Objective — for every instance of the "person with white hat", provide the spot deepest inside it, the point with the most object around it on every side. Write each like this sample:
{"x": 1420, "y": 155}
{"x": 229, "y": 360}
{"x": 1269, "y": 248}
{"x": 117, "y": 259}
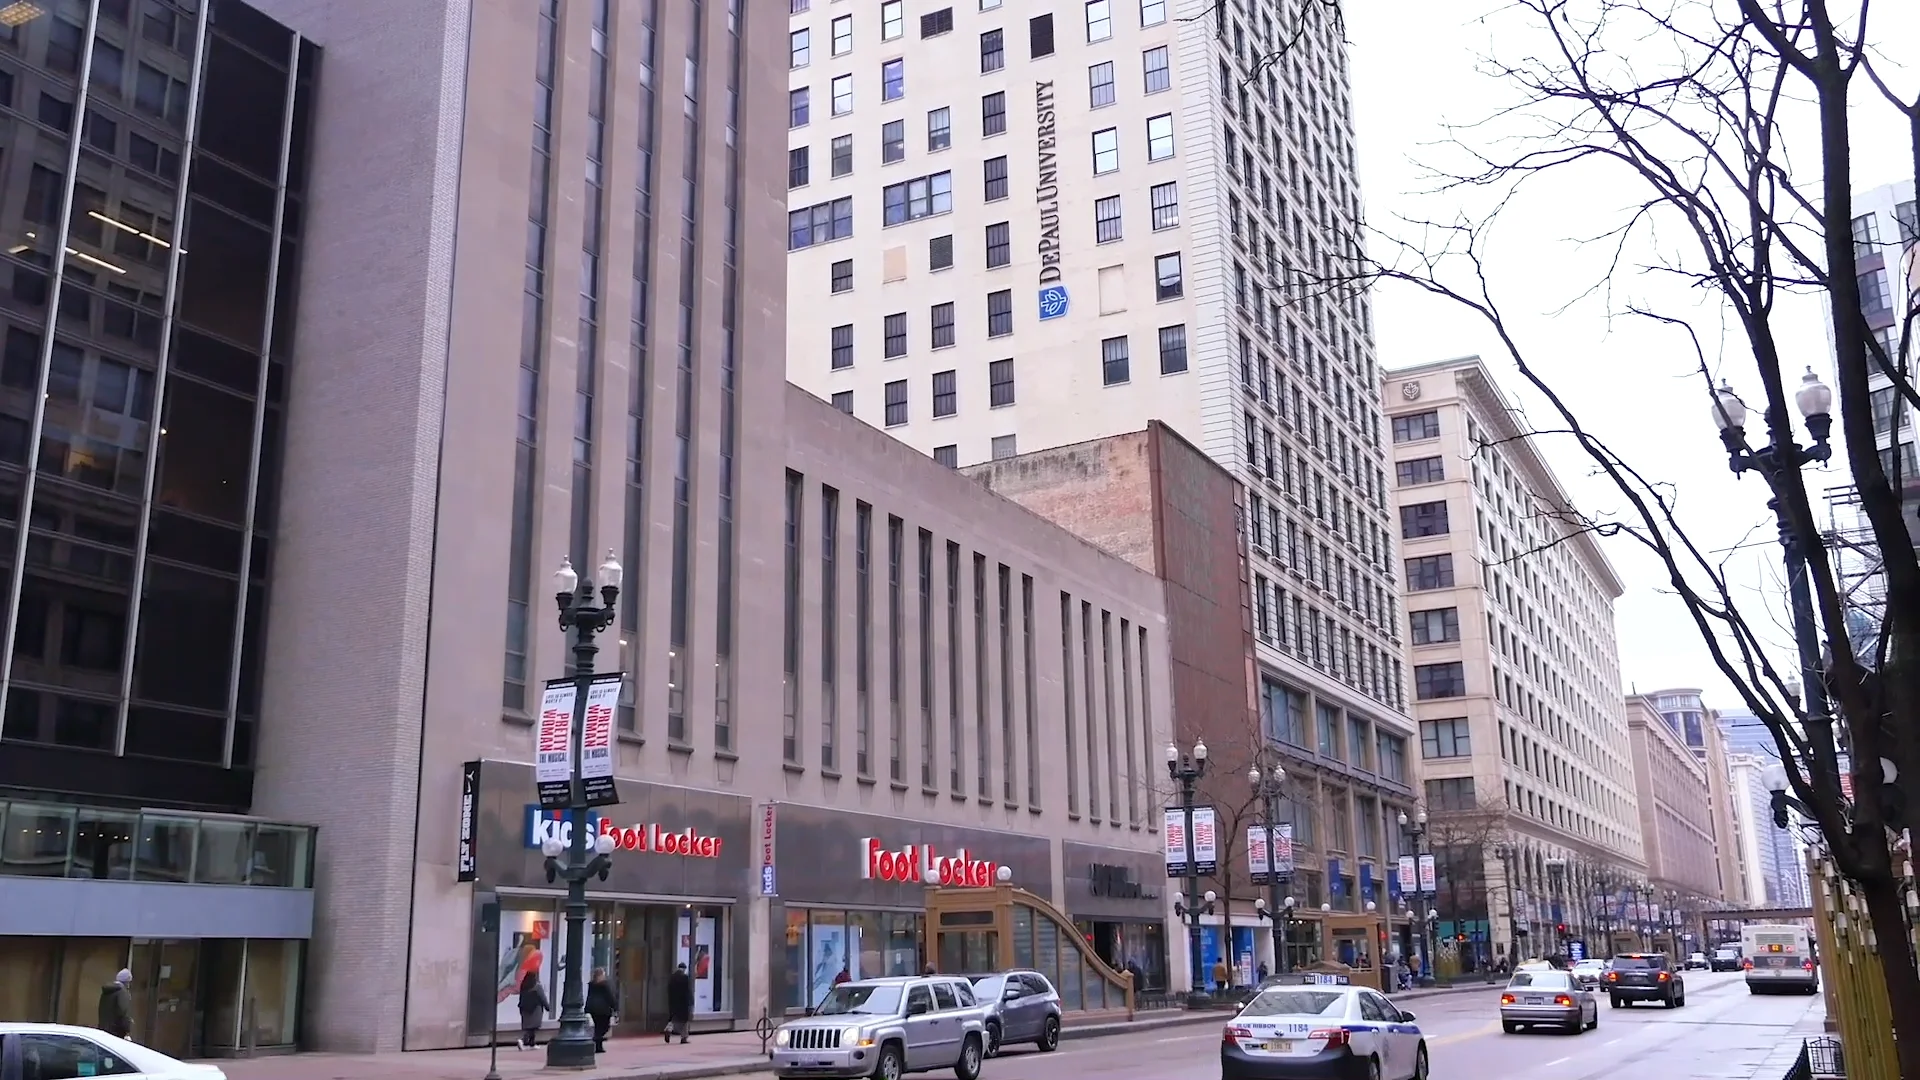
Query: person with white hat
{"x": 116, "y": 1005}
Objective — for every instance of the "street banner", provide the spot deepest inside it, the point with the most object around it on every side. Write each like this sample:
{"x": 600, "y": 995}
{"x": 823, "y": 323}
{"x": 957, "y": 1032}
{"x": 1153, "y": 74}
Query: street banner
{"x": 1406, "y": 872}
{"x": 467, "y": 860}
{"x": 769, "y": 884}
{"x": 1259, "y": 855}
{"x": 1283, "y": 851}
{"x": 552, "y": 766}
{"x": 1173, "y": 831}
{"x": 1429, "y": 877}
{"x": 596, "y": 740}
{"x": 1206, "y": 841}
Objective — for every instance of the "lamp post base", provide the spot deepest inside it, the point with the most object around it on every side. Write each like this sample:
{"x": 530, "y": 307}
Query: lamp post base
{"x": 572, "y": 1046}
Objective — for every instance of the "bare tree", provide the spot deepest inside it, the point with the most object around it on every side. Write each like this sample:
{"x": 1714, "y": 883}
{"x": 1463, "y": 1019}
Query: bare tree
{"x": 1462, "y": 840}
{"x": 1729, "y": 126}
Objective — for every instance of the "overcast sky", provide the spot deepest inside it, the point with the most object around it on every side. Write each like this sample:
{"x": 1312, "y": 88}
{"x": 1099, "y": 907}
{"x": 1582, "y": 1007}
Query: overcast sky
{"x": 1416, "y": 70}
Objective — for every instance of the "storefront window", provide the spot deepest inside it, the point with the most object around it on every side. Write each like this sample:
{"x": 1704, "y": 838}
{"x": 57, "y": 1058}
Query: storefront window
{"x": 36, "y": 839}
{"x": 103, "y": 845}
{"x": 1069, "y": 982}
{"x": 273, "y": 991}
{"x": 702, "y": 930}
{"x": 226, "y": 852}
{"x": 905, "y": 931}
{"x": 1046, "y": 949}
{"x": 795, "y": 990}
{"x": 1145, "y": 947}
{"x": 1022, "y": 936}
{"x": 166, "y": 849}
{"x": 27, "y": 966}
{"x": 868, "y": 939}
{"x": 827, "y": 949}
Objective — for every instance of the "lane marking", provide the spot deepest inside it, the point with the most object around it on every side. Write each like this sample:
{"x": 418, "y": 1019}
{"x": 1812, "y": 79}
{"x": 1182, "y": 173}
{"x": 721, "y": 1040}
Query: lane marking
{"x": 1557, "y": 1061}
{"x": 1612, "y": 1042}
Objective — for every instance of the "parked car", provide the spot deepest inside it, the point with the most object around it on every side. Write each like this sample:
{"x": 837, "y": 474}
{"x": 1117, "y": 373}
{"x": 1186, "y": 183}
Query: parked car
{"x": 1645, "y": 977}
{"x": 886, "y": 1028}
{"x": 1725, "y": 958}
{"x": 34, "y": 1050}
{"x": 1022, "y": 1007}
{"x": 1698, "y": 962}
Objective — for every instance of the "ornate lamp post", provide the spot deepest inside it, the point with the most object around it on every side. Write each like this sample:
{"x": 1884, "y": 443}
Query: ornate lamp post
{"x": 1282, "y": 928}
{"x": 572, "y": 1047}
{"x": 1267, "y": 788}
{"x": 1186, "y": 770}
{"x": 1506, "y": 852}
{"x": 1416, "y": 828}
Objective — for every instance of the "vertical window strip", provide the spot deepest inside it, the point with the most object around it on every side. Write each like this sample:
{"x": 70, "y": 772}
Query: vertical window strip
{"x": 1134, "y": 763}
{"x": 593, "y": 227}
{"x": 729, "y": 435}
{"x": 863, "y": 639}
{"x": 1106, "y": 696}
{"x": 1007, "y": 769}
{"x": 1090, "y": 708}
{"x": 1147, "y": 747}
{"x": 928, "y": 737}
{"x": 896, "y": 637}
{"x": 681, "y": 614}
{"x": 956, "y": 669}
{"x": 982, "y": 697}
{"x": 1067, "y": 713}
{"x": 790, "y": 625}
{"x": 1032, "y": 688}
{"x": 641, "y": 377}
{"x": 829, "y": 629}
{"x": 513, "y": 692}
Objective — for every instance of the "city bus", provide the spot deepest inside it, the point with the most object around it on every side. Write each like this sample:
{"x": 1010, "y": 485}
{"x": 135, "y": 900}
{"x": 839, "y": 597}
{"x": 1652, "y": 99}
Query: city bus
{"x": 1779, "y": 959}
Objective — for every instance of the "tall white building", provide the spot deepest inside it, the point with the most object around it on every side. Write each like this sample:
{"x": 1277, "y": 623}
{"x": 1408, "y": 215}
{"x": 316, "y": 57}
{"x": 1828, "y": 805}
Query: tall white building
{"x": 1015, "y": 227}
{"x": 1776, "y": 872}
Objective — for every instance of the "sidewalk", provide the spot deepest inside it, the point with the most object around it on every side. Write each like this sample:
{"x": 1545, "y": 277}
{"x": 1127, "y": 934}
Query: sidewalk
{"x": 730, "y": 1053}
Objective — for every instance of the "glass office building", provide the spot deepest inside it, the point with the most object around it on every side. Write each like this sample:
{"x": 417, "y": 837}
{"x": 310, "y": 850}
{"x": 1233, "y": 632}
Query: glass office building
{"x": 151, "y": 161}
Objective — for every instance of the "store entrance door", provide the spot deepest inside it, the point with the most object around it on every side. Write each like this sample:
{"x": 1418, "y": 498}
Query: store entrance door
{"x": 165, "y": 974}
{"x": 648, "y": 934}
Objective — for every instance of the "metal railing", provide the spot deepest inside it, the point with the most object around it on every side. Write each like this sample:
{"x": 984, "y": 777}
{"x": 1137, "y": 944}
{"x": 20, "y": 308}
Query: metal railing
{"x": 1824, "y": 1058}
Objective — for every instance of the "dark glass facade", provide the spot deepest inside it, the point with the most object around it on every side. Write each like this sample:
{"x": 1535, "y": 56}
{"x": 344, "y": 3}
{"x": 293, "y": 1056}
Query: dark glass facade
{"x": 151, "y": 160}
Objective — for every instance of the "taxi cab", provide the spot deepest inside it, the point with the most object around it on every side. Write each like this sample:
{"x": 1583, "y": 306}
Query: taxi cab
{"x": 1321, "y": 1027}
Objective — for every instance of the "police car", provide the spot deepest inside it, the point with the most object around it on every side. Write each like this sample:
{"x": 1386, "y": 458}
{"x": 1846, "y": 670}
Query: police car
{"x": 1321, "y": 1027}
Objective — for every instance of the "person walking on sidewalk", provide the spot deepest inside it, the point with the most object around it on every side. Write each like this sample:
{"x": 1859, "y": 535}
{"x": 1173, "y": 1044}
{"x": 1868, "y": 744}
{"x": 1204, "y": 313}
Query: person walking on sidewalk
{"x": 600, "y": 1007}
{"x": 533, "y": 1010}
{"x": 116, "y": 1006}
{"x": 1222, "y": 977}
{"x": 679, "y": 1003}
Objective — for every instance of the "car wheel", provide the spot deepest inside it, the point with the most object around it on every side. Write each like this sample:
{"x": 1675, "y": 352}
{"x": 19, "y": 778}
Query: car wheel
{"x": 890, "y": 1065}
{"x": 1613, "y": 1002}
{"x": 1049, "y": 1035}
{"x": 1373, "y": 1069}
{"x": 993, "y": 1038}
{"x": 1594, "y": 1025}
{"x": 1420, "y": 1063}
{"x": 1668, "y": 1003}
{"x": 968, "y": 1067}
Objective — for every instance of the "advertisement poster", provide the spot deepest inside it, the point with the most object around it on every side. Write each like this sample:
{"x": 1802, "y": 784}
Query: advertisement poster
{"x": 769, "y": 884}
{"x": 526, "y": 944}
{"x": 696, "y": 951}
{"x": 1259, "y": 861}
{"x": 1173, "y": 830}
{"x": 1283, "y": 850}
{"x": 467, "y": 858}
{"x": 1429, "y": 878}
{"x": 1407, "y": 874}
{"x": 552, "y": 767}
{"x": 596, "y": 740}
{"x": 1206, "y": 841}
{"x": 827, "y": 945}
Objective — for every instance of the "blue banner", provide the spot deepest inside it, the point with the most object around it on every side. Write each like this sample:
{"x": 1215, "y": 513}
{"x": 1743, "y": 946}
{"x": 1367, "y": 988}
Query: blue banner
{"x": 1336, "y": 888}
{"x": 1366, "y": 884}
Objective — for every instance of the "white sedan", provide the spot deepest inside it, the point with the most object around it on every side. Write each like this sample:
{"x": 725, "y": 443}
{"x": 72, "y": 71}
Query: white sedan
{"x": 46, "y": 1051}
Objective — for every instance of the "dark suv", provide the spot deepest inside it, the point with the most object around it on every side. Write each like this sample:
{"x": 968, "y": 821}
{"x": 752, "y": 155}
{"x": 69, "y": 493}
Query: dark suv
{"x": 1645, "y": 977}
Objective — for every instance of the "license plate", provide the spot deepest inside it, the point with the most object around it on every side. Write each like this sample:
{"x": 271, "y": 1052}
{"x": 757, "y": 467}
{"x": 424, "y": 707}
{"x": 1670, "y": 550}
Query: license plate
{"x": 1279, "y": 1046}
{"x": 1536, "y": 1000}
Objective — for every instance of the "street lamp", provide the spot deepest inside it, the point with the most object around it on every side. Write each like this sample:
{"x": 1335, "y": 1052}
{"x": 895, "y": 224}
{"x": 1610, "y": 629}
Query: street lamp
{"x": 1267, "y": 789}
{"x": 1417, "y": 828}
{"x": 1186, "y": 770}
{"x": 1556, "y": 900}
{"x": 1506, "y": 852}
{"x": 572, "y": 1046}
{"x": 1282, "y": 919}
{"x": 1773, "y": 462}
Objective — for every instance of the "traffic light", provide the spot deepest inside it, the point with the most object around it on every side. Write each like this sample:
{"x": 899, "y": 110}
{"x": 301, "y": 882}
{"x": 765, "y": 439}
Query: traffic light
{"x": 1561, "y": 929}
{"x": 1460, "y": 937}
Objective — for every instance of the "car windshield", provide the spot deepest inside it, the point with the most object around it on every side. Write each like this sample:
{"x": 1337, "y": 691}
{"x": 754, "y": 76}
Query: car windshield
{"x": 989, "y": 987}
{"x": 1589, "y": 965}
{"x": 855, "y": 998}
{"x": 1725, "y": 953}
{"x": 1639, "y": 963}
{"x": 1540, "y": 980}
{"x": 1297, "y": 1002}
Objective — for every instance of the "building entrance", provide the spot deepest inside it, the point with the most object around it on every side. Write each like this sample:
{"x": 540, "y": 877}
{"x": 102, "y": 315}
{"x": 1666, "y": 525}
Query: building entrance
{"x": 165, "y": 980}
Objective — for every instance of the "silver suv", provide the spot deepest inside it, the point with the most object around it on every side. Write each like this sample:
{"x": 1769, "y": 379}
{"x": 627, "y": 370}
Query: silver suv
{"x": 1022, "y": 1007}
{"x": 886, "y": 1028}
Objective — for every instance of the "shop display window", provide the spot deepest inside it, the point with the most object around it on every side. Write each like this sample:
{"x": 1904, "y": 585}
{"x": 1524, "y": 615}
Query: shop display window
{"x": 866, "y": 944}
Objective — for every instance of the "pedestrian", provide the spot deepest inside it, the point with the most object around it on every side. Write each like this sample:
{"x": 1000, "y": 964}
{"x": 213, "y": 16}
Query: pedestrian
{"x": 679, "y": 1002}
{"x": 845, "y": 976}
{"x": 534, "y": 1007}
{"x": 1222, "y": 976}
{"x": 116, "y": 1006}
{"x": 600, "y": 1006}
{"x": 1262, "y": 972}
{"x": 928, "y": 970}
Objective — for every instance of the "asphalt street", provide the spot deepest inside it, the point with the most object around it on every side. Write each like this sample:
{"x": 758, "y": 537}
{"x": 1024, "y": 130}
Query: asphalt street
{"x": 1723, "y": 1032}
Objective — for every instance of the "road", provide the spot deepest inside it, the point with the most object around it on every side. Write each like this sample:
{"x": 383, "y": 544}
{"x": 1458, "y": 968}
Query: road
{"x": 1724, "y": 1032}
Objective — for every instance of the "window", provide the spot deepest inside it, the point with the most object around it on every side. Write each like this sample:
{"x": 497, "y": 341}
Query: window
{"x": 842, "y": 87}
{"x": 52, "y": 1056}
{"x": 842, "y": 346}
{"x": 790, "y": 749}
{"x": 1099, "y": 20}
{"x": 1153, "y": 64}
{"x": 1000, "y": 383}
{"x": 921, "y": 197}
{"x": 1039, "y": 36}
{"x": 993, "y": 51}
{"x": 1113, "y": 361}
{"x": 939, "y": 129}
{"x": 940, "y": 252}
{"x": 1453, "y": 793}
{"x": 1106, "y": 150}
{"x": 1100, "y": 84}
{"x": 895, "y": 330}
{"x": 999, "y": 245}
{"x": 1889, "y": 410}
{"x": 896, "y": 403}
{"x": 1160, "y": 137}
{"x": 797, "y": 109}
{"x": 948, "y": 455}
{"x": 1166, "y": 205}
{"x": 993, "y": 113}
{"x": 994, "y": 175}
{"x": 842, "y": 155}
{"x": 1423, "y": 519}
{"x": 892, "y": 19}
{"x": 1004, "y": 447}
{"x": 820, "y": 223}
{"x": 1173, "y": 349}
{"x": 1414, "y": 427}
{"x": 1435, "y": 625}
{"x": 1168, "y": 281}
{"x": 893, "y": 141}
{"x": 797, "y": 167}
{"x": 799, "y": 49}
{"x": 1432, "y": 681}
{"x": 946, "y": 396}
{"x": 843, "y": 400}
{"x": 1000, "y": 313}
{"x": 893, "y": 80}
{"x": 843, "y": 276}
{"x": 1430, "y": 572}
{"x": 1106, "y": 219}
{"x": 942, "y": 328}
{"x": 935, "y": 23}
{"x": 989, "y": 5}
{"x": 1153, "y": 12}
{"x": 1426, "y": 470}
{"x": 843, "y": 35}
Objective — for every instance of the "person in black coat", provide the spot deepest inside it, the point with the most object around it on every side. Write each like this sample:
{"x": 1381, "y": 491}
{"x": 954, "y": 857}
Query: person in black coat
{"x": 533, "y": 1010}
{"x": 600, "y": 1006}
{"x": 679, "y": 1003}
